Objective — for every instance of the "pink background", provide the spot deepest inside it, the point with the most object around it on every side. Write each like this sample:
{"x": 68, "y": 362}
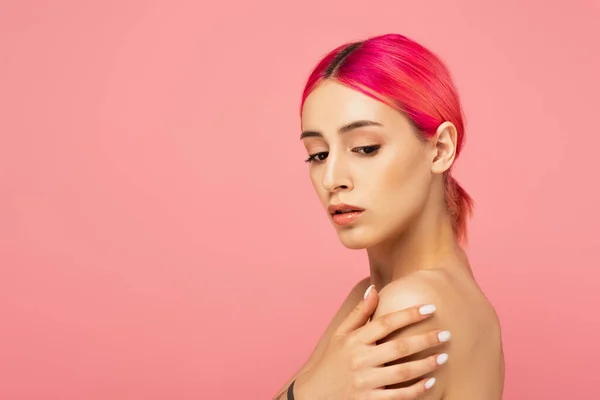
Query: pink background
{"x": 159, "y": 237}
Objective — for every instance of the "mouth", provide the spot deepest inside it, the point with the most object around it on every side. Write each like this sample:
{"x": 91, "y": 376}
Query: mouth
{"x": 343, "y": 209}
{"x": 346, "y": 211}
{"x": 343, "y": 214}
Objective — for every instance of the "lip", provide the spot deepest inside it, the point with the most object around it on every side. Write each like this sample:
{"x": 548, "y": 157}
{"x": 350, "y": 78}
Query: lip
{"x": 351, "y": 214}
{"x": 343, "y": 207}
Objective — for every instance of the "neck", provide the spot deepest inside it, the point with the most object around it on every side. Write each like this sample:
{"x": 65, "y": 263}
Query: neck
{"x": 427, "y": 244}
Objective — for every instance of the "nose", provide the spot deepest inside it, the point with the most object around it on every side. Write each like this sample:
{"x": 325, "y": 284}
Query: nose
{"x": 336, "y": 177}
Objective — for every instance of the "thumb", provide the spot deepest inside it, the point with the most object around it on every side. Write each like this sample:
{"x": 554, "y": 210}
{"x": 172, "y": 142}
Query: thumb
{"x": 361, "y": 313}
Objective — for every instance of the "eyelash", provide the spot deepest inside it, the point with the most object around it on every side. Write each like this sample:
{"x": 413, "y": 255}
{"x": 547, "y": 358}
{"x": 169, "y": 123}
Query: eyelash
{"x": 313, "y": 157}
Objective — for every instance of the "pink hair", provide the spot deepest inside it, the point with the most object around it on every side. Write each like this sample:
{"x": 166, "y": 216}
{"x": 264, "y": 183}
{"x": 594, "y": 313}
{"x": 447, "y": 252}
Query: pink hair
{"x": 408, "y": 77}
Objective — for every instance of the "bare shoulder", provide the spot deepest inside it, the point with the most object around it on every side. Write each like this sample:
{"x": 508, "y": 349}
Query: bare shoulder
{"x": 424, "y": 285}
{"x": 457, "y": 298}
{"x": 462, "y": 309}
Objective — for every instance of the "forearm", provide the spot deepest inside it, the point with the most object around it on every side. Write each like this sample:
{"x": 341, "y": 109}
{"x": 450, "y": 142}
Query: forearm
{"x": 282, "y": 395}
{"x": 289, "y": 393}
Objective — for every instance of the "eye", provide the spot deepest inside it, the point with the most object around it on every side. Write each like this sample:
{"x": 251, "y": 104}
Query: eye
{"x": 313, "y": 158}
{"x": 367, "y": 150}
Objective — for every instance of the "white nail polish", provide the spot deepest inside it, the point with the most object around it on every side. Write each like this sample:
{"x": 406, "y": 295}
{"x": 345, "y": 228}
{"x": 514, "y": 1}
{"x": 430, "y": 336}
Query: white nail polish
{"x": 426, "y": 310}
{"x": 429, "y": 383}
{"x": 442, "y": 358}
{"x": 444, "y": 336}
{"x": 368, "y": 290}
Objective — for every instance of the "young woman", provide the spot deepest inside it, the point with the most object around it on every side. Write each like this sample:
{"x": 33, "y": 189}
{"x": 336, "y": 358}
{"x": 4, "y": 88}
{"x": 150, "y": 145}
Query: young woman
{"x": 382, "y": 125}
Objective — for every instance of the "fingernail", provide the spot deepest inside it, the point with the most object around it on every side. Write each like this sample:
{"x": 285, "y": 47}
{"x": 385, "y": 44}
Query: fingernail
{"x": 368, "y": 290}
{"x": 426, "y": 310}
{"x": 442, "y": 358}
{"x": 429, "y": 383}
{"x": 444, "y": 336}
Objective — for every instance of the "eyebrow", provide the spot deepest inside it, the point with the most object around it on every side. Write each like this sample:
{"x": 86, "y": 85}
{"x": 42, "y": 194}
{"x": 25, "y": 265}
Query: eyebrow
{"x": 343, "y": 129}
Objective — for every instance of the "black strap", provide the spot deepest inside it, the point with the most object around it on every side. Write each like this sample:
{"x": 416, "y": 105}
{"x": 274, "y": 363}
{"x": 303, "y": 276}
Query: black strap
{"x": 290, "y": 392}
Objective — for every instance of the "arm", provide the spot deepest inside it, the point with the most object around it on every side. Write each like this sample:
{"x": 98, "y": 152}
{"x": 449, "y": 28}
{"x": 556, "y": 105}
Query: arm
{"x": 423, "y": 287}
{"x": 353, "y": 298}
{"x": 282, "y": 395}
{"x": 475, "y": 368}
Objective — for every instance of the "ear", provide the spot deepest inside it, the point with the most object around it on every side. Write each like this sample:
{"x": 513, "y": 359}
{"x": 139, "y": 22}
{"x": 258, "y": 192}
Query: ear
{"x": 445, "y": 145}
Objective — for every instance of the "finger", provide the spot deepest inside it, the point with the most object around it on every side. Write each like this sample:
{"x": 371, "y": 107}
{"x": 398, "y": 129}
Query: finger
{"x": 403, "y": 347}
{"x": 386, "y": 324}
{"x": 412, "y": 392}
{"x": 404, "y": 372}
{"x": 361, "y": 313}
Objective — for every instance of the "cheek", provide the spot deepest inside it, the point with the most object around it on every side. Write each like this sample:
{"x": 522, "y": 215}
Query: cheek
{"x": 406, "y": 179}
{"x": 316, "y": 180}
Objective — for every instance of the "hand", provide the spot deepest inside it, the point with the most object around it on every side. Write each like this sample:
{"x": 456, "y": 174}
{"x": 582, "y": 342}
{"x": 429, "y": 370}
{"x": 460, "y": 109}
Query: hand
{"x": 352, "y": 366}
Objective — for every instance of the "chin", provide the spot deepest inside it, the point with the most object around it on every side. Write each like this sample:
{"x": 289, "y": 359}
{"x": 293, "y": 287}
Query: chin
{"x": 357, "y": 238}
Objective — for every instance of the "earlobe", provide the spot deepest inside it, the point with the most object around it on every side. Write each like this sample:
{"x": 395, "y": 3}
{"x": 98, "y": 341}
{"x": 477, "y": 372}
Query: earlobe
{"x": 445, "y": 143}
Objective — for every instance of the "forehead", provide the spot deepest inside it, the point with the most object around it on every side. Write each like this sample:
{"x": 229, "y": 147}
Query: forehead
{"x": 332, "y": 104}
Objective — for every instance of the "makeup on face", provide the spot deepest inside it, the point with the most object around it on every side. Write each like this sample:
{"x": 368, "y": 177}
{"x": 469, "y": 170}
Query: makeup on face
{"x": 344, "y": 214}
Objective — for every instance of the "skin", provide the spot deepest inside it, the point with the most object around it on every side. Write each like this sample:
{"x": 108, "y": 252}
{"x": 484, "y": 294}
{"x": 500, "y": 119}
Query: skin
{"x": 414, "y": 258}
